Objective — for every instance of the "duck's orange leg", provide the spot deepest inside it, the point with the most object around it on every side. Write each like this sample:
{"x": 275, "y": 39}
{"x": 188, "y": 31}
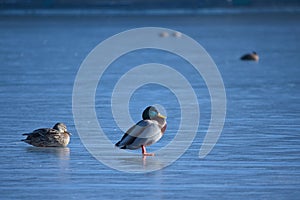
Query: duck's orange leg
{"x": 144, "y": 152}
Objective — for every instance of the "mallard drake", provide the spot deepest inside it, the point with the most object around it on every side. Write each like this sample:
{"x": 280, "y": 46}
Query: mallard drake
{"x": 251, "y": 56}
{"x": 145, "y": 133}
{"x": 49, "y": 137}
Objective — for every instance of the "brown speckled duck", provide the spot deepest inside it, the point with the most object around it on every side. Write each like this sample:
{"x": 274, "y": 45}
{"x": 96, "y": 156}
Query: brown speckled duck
{"x": 145, "y": 133}
{"x": 49, "y": 137}
{"x": 250, "y": 56}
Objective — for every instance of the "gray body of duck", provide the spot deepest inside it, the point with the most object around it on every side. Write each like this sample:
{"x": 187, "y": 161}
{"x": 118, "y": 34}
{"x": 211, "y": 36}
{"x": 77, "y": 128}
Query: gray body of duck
{"x": 251, "y": 56}
{"x": 58, "y": 136}
{"x": 145, "y": 133}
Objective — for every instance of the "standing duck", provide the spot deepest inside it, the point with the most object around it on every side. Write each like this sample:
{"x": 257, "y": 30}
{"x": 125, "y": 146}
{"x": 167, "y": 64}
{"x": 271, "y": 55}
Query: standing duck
{"x": 146, "y": 132}
{"x": 49, "y": 137}
{"x": 251, "y": 56}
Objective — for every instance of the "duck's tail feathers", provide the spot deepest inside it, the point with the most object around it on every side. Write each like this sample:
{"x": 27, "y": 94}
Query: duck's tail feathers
{"x": 119, "y": 145}
{"x": 25, "y": 140}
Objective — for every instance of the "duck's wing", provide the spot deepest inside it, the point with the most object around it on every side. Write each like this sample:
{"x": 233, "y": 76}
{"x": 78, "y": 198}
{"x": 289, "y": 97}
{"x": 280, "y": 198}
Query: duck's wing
{"x": 37, "y": 137}
{"x": 38, "y": 132}
{"x": 143, "y": 133}
{"x": 42, "y": 133}
{"x": 132, "y": 133}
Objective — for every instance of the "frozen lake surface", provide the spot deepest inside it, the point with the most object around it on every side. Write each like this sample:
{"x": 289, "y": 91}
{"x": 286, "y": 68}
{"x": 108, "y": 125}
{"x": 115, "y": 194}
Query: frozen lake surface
{"x": 256, "y": 157}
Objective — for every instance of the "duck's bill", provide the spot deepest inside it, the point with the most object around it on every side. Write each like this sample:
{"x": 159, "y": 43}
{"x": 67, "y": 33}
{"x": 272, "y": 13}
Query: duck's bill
{"x": 161, "y": 116}
{"x": 69, "y": 133}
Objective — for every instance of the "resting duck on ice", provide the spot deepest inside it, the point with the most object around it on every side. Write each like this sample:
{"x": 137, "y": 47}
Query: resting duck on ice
{"x": 251, "y": 56}
{"x": 49, "y": 137}
{"x": 145, "y": 133}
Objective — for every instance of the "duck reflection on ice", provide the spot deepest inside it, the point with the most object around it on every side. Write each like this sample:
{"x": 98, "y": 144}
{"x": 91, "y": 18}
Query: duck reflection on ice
{"x": 53, "y": 158}
{"x": 133, "y": 162}
{"x": 62, "y": 153}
